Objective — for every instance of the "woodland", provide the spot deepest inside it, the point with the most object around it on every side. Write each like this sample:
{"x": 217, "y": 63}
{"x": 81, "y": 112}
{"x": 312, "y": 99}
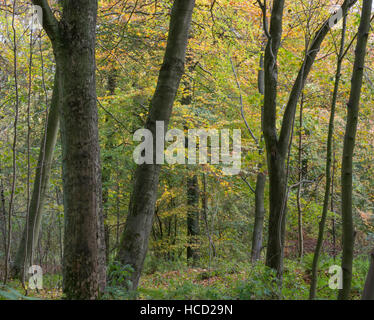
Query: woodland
{"x": 81, "y": 220}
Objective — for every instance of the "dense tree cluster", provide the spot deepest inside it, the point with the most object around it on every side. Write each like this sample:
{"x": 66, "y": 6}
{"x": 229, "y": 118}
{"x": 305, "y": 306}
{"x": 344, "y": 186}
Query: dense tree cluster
{"x": 296, "y": 77}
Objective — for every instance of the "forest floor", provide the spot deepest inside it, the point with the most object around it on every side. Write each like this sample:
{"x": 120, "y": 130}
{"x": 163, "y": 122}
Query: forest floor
{"x": 225, "y": 280}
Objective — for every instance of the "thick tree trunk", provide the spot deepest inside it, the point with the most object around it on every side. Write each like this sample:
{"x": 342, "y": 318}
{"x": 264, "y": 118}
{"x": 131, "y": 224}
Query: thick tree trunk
{"x": 193, "y": 229}
{"x": 84, "y": 244}
{"x": 368, "y": 293}
{"x": 259, "y": 217}
{"x": 30, "y": 235}
{"x": 134, "y": 241}
{"x": 330, "y": 137}
{"x": 277, "y": 217}
{"x": 73, "y": 40}
{"x": 348, "y": 149}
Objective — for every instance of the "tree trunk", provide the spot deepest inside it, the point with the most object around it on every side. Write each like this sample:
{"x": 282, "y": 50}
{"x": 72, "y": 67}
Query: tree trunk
{"x": 3, "y": 219}
{"x": 277, "y": 195}
{"x": 260, "y": 181}
{"x": 30, "y": 236}
{"x": 106, "y": 171}
{"x": 134, "y": 240}
{"x": 299, "y": 188}
{"x": 330, "y": 137}
{"x": 84, "y": 243}
{"x": 259, "y": 217}
{"x": 204, "y": 200}
{"x": 193, "y": 229}
{"x": 368, "y": 293}
{"x": 348, "y": 149}
{"x": 73, "y": 40}
{"x": 332, "y": 207}
{"x": 277, "y": 147}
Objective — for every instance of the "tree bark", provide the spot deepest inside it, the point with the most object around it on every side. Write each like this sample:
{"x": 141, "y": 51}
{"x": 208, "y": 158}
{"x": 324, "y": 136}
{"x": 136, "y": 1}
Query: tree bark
{"x": 3, "y": 219}
{"x": 258, "y": 226}
{"x": 259, "y": 217}
{"x": 106, "y": 172}
{"x": 368, "y": 293}
{"x": 193, "y": 229}
{"x": 84, "y": 244}
{"x": 73, "y": 40}
{"x": 299, "y": 188}
{"x": 204, "y": 200}
{"x": 348, "y": 149}
{"x": 134, "y": 240}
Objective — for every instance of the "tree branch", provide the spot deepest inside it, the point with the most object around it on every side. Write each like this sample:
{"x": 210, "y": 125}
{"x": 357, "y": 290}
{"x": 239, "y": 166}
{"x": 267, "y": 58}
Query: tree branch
{"x": 241, "y": 103}
{"x": 50, "y": 23}
{"x": 248, "y": 184}
{"x": 289, "y": 114}
{"x": 271, "y": 78}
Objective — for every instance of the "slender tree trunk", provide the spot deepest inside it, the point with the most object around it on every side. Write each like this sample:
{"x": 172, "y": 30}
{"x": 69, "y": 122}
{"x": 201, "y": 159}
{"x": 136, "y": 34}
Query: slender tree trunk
{"x": 106, "y": 172}
{"x": 193, "y": 192}
{"x": 60, "y": 227}
{"x": 259, "y": 217}
{"x": 261, "y": 178}
{"x": 48, "y": 143}
{"x": 134, "y": 240}
{"x": 193, "y": 229}
{"x": 368, "y": 293}
{"x": 3, "y": 216}
{"x": 260, "y": 181}
{"x": 14, "y": 151}
{"x": 204, "y": 199}
{"x": 348, "y": 149}
{"x": 332, "y": 202}
{"x": 330, "y": 137}
{"x": 117, "y": 214}
{"x": 299, "y": 188}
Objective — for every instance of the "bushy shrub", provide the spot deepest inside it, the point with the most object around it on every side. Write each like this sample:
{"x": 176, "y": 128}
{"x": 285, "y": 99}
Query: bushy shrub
{"x": 118, "y": 282}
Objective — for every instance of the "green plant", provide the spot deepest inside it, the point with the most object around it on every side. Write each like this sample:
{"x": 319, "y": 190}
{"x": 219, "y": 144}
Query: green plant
{"x": 261, "y": 284}
{"x": 9, "y": 293}
{"x": 118, "y": 282}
